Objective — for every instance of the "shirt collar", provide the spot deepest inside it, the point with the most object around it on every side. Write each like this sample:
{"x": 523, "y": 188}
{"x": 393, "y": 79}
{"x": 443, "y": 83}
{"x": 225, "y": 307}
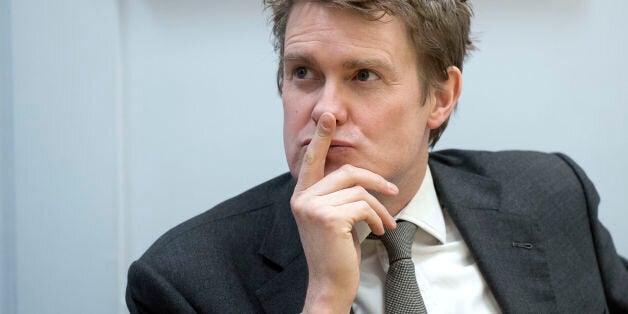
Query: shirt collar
{"x": 423, "y": 210}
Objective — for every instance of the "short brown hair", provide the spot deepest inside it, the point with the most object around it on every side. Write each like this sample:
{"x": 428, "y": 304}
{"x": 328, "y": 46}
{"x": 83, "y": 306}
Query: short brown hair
{"x": 439, "y": 30}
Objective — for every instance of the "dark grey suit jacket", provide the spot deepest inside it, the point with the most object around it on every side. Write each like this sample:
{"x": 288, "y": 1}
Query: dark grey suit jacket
{"x": 529, "y": 219}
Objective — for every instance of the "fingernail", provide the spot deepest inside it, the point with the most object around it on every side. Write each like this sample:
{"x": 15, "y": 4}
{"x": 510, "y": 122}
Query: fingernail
{"x": 393, "y": 188}
{"x": 326, "y": 123}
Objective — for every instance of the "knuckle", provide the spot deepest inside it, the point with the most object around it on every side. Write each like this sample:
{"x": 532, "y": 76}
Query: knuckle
{"x": 308, "y": 158}
{"x": 348, "y": 169}
{"x": 363, "y": 205}
{"x": 310, "y": 214}
{"x": 361, "y": 191}
{"x": 307, "y": 209}
{"x": 319, "y": 216}
{"x": 297, "y": 203}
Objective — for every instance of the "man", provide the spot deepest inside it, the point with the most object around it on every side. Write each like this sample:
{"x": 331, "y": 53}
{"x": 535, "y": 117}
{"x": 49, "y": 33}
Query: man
{"x": 367, "y": 87}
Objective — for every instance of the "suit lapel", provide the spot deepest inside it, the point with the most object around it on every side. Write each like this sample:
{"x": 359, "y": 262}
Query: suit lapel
{"x": 282, "y": 250}
{"x": 506, "y": 246}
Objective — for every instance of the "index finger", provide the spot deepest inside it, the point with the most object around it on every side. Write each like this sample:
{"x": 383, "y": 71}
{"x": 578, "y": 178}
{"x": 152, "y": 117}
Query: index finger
{"x": 313, "y": 164}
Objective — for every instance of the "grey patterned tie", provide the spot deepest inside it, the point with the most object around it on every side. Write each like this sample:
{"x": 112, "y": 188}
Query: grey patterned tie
{"x": 402, "y": 294}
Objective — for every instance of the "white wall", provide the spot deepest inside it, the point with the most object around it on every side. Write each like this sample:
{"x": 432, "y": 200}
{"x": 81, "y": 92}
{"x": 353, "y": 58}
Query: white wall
{"x": 120, "y": 119}
{"x": 204, "y": 119}
{"x": 7, "y": 213}
{"x": 63, "y": 111}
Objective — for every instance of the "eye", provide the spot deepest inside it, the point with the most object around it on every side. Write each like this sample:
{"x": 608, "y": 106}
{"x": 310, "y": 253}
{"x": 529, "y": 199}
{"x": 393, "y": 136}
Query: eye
{"x": 366, "y": 75}
{"x": 302, "y": 73}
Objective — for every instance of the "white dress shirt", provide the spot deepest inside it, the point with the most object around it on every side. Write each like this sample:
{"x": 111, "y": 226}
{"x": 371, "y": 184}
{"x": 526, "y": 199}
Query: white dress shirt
{"x": 447, "y": 275}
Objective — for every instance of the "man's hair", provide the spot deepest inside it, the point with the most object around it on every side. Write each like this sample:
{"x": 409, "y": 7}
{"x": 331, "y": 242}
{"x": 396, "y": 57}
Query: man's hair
{"x": 439, "y": 30}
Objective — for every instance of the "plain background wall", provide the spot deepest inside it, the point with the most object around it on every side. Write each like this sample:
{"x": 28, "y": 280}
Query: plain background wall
{"x": 7, "y": 213}
{"x": 120, "y": 119}
{"x": 64, "y": 191}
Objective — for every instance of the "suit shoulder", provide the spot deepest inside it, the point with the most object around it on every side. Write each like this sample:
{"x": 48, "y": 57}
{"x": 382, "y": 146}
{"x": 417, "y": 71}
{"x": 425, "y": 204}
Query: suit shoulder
{"x": 247, "y": 208}
{"x": 505, "y": 163}
{"x": 524, "y": 176}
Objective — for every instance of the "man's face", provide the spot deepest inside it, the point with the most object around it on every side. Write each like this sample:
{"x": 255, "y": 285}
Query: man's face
{"x": 365, "y": 73}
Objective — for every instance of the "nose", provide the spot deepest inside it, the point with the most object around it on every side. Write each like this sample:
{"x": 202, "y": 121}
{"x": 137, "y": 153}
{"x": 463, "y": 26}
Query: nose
{"x": 334, "y": 99}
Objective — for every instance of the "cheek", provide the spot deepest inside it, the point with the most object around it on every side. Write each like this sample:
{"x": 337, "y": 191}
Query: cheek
{"x": 401, "y": 125}
{"x": 295, "y": 121}
{"x": 289, "y": 125}
{"x": 289, "y": 140}
{"x": 297, "y": 113}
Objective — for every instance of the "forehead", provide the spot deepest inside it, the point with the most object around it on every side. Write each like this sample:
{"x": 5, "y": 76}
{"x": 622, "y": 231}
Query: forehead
{"x": 316, "y": 22}
{"x": 322, "y": 11}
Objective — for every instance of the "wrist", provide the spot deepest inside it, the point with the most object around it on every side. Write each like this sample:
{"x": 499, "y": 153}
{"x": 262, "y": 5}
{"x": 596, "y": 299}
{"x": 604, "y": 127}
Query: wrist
{"x": 326, "y": 299}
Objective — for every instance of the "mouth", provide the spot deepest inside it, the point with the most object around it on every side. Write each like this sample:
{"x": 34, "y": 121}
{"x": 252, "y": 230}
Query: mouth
{"x": 334, "y": 144}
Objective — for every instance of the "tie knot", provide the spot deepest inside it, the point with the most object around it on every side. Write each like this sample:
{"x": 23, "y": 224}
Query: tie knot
{"x": 398, "y": 241}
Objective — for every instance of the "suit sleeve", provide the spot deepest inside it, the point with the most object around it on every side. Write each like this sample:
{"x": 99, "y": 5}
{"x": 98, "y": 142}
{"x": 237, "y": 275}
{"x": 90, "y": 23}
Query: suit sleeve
{"x": 148, "y": 292}
{"x": 613, "y": 268}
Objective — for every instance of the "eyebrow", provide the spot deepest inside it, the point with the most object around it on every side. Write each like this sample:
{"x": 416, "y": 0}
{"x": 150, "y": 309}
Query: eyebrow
{"x": 368, "y": 64}
{"x": 350, "y": 64}
{"x": 299, "y": 57}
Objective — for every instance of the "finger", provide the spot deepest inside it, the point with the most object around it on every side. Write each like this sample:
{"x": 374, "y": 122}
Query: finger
{"x": 348, "y": 176}
{"x": 361, "y": 211}
{"x": 358, "y": 193}
{"x": 313, "y": 164}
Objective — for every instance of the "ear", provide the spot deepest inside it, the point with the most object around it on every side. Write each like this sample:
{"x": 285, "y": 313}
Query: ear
{"x": 445, "y": 98}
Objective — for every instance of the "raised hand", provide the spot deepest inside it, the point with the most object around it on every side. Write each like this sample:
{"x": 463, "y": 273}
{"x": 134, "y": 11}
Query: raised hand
{"x": 326, "y": 208}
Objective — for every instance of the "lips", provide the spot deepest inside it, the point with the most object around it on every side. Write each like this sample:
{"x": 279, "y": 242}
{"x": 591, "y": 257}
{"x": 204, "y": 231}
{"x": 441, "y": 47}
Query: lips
{"x": 334, "y": 143}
